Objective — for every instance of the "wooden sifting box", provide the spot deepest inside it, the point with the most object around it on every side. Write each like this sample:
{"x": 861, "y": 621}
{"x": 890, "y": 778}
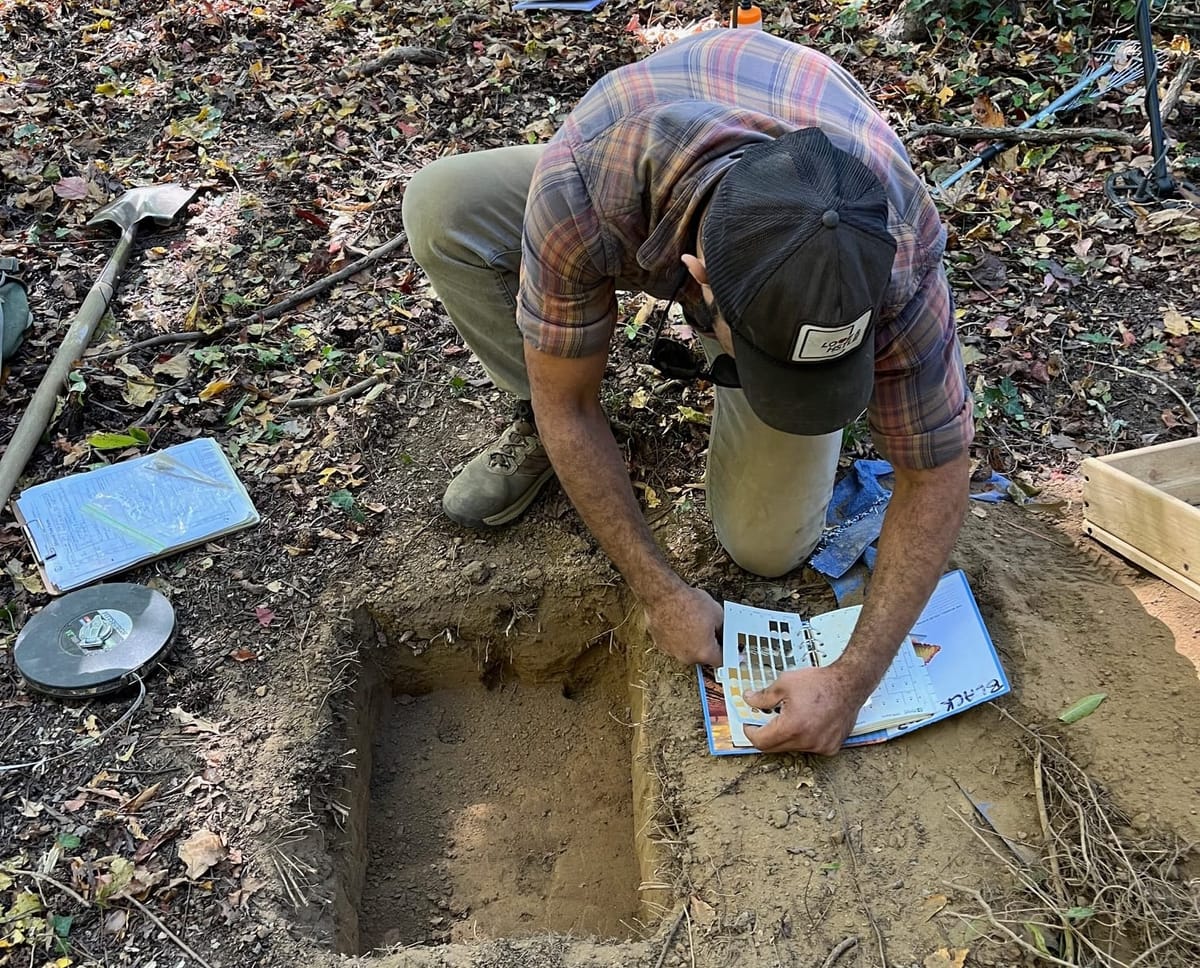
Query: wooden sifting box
{"x": 1144, "y": 505}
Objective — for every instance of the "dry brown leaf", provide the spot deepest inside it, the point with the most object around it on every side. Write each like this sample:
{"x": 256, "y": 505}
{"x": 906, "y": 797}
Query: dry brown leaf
{"x": 985, "y": 112}
{"x": 194, "y": 724}
{"x": 201, "y": 851}
{"x": 177, "y": 366}
{"x": 215, "y": 388}
{"x": 139, "y": 393}
{"x": 701, "y": 911}
{"x": 74, "y": 189}
{"x": 1177, "y": 324}
{"x": 136, "y": 803}
{"x": 1178, "y": 221}
{"x": 947, "y": 958}
{"x": 932, "y": 905}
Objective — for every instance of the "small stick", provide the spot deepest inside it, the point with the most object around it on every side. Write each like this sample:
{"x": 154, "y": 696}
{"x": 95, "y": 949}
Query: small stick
{"x": 160, "y": 340}
{"x": 1013, "y": 524}
{"x": 38, "y": 876}
{"x": 1033, "y": 136}
{"x": 86, "y": 744}
{"x": 1161, "y": 382}
{"x": 1171, "y": 99}
{"x": 320, "y": 286}
{"x": 838, "y": 951}
{"x": 309, "y": 403}
{"x": 270, "y": 312}
{"x": 46, "y": 878}
{"x": 691, "y": 940}
{"x": 424, "y": 56}
{"x": 848, "y": 840}
{"x": 167, "y": 931}
{"x": 1039, "y": 788}
{"x": 662, "y": 955}
{"x": 987, "y": 292}
{"x": 1012, "y": 935}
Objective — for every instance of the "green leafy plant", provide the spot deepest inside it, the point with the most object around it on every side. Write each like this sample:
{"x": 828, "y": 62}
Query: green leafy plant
{"x": 343, "y": 500}
{"x": 1002, "y": 399}
{"x": 133, "y": 437}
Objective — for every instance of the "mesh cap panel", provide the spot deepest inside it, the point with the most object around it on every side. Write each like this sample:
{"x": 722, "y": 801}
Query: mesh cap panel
{"x": 771, "y": 204}
{"x": 799, "y": 257}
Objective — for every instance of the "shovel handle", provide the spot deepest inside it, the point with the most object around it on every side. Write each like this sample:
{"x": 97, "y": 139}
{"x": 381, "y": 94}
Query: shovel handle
{"x": 40, "y": 408}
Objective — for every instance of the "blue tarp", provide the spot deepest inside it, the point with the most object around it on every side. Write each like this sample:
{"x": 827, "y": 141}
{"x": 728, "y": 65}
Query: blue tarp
{"x": 855, "y": 518}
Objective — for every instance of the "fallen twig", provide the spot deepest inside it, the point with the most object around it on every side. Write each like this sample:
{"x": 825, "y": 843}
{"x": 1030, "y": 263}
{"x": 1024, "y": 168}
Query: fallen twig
{"x": 990, "y": 917}
{"x": 840, "y": 949}
{"x": 670, "y": 939}
{"x": 1171, "y": 99}
{"x": 1044, "y": 537}
{"x": 47, "y": 879}
{"x": 321, "y": 285}
{"x": 161, "y": 339}
{"x": 270, "y": 312}
{"x": 422, "y": 56}
{"x": 1061, "y": 897}
{"x": 87, "y": 743}
{"x": 155, "y": 408}
{"x": 1162, "y": 383}
{"x": 1035, "y": 136}
{"x": 848, "y": 840}
{"x": 80, "y": 899}
{"x": 1118, "y": 890}
{"x": 167, "y": 931}
{"x": 309, "y": 403}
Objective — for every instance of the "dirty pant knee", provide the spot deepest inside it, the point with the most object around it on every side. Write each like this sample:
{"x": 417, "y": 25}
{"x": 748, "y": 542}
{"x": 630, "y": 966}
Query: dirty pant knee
{"x": 767, "y": 491}
{"x": 768, "y": 496}
{"x": 767, "y": 552}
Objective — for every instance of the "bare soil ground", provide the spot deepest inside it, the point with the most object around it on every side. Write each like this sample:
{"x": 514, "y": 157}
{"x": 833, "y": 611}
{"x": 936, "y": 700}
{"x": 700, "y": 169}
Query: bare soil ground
{"x": 779, "y": 859}
{"x": 276, "y": 799}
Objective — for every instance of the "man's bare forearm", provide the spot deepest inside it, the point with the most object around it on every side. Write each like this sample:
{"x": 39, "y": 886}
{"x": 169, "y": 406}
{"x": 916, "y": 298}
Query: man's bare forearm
{"x": 922, "y": 522}
{"x": 590, "y": 467}
{"x": 683, "y": 621}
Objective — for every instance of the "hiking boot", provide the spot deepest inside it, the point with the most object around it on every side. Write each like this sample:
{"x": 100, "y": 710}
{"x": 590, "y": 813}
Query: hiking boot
{"x": 496, "y": 486}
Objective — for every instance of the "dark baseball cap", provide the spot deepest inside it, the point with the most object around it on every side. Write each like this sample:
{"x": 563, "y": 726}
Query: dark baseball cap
{"x": 798, "y": 255}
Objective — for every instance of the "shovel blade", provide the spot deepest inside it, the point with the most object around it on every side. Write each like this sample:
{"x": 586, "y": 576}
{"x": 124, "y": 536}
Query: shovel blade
{"x": 159, "y": 202}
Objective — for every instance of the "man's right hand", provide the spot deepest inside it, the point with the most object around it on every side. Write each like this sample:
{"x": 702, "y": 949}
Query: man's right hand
{"x": 687, "y": 626}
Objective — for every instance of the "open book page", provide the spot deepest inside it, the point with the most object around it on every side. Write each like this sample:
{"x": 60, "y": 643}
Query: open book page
{"x": 90, "y": 525}
{"x": 952, "y": 641}
{"x": 905, "y": 695}
{"x": 950, "y": 652}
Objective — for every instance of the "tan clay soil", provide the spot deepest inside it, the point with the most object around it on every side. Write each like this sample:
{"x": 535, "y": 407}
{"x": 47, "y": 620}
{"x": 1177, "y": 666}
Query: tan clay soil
{"x": 503, "y": 812}
{"x": 779, "y": 858}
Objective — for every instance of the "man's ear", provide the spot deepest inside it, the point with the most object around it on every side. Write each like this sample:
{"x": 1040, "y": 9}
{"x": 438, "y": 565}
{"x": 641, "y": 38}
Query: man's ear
{"x": 696, "y": 267}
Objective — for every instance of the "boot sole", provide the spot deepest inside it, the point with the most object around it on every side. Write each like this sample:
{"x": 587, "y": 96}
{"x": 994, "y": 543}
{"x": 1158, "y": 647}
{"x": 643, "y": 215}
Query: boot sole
{"x": 510, "y": 513}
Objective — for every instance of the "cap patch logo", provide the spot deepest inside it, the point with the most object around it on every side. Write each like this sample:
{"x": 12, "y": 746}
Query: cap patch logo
{"x": 817, "y": 344}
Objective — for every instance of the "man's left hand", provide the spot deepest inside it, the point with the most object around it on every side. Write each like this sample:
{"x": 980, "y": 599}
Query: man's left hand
{"x": 817, "y": 710}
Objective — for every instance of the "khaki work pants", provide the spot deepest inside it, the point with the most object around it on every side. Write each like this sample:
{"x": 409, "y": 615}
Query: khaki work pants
{"x": 767, "y": 491}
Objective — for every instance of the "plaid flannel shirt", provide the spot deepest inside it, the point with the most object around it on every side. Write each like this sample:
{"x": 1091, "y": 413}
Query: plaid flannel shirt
{"x": 614, "y": 199}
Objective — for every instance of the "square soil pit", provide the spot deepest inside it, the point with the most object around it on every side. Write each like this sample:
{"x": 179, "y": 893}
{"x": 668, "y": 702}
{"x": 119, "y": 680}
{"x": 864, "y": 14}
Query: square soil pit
{"x": 495, "y": 807}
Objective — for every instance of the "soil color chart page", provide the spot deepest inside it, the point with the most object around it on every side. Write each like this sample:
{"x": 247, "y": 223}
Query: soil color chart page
{"x": 947, "y": 664}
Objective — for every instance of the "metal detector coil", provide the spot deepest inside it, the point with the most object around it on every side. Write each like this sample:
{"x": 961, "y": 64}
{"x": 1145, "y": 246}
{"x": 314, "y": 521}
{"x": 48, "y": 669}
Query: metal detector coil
{"x": 95, "y": 641}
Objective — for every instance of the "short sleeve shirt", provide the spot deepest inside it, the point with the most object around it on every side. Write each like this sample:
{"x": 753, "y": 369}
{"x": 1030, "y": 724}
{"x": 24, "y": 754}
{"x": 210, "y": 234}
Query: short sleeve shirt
{"x": 615, "y": 196}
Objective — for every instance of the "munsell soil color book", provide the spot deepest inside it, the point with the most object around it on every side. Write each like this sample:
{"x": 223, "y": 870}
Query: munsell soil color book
{"x": 948, "y": 664}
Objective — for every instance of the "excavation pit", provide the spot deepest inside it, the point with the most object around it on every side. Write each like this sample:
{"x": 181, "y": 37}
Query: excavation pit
{"x": 491, "y": 800}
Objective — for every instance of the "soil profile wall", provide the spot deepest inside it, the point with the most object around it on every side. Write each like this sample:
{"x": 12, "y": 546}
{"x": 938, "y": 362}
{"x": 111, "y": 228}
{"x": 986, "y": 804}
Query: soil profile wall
{"x": 502, "y": 784}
